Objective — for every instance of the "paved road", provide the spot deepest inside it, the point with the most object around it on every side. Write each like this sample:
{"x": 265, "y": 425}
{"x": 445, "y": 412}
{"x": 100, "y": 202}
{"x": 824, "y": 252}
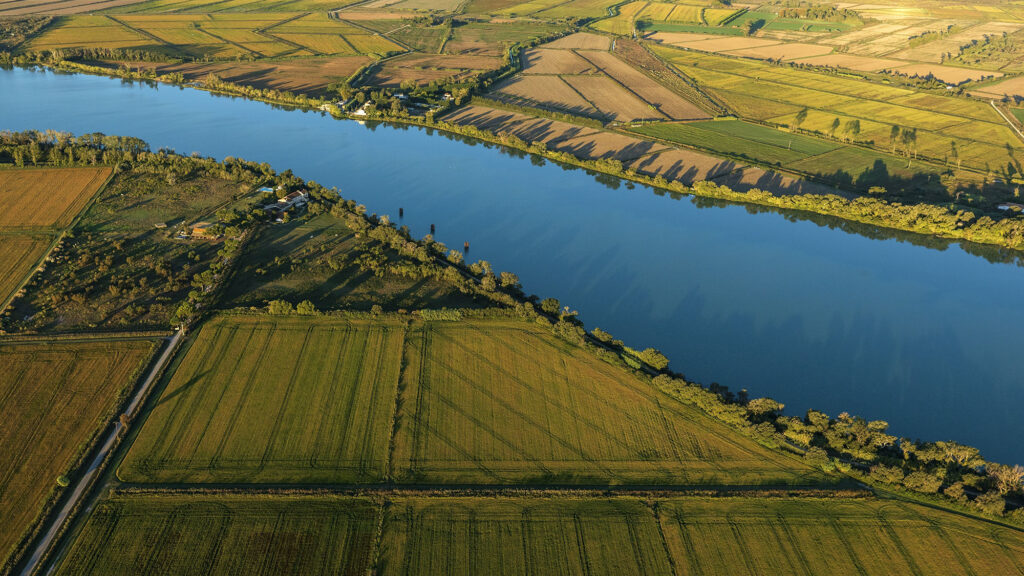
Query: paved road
{"x": 1008, "y": 121}
{"x": 94, "y": 467}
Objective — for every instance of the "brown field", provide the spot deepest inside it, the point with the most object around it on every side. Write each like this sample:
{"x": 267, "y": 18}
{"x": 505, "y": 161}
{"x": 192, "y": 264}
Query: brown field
{"x": 666, "y": 101}
{"x": 542, "y": 61}
{"x": 59, "y": 7}
{"x": 529, "y": 128}
{"x": 749, "y": 177}
{"x": 424, "y": 68}
{"x": 46, "y": 197}
{"x": 852, "y": 62}
{"x": 302, "y": 76}
{"x": 357, "y": 14}
{"x": 612, "y": 99}
{"x": 948, "y": 74}
{"x": 1011, "y": 87}
{"x": 54, "y": 397}
{"x": 726, "y": 43}
{"x": 679, "y": 37}
{"x": 581, "y": 41}
{"x": 609, "y": 145}
{"x": 685, "y": 166}
{"x": 787, "y": 51}
{"x": 934, "y": 51}
{"x": 548, "y": 92}
{"x": 20, "y": 255}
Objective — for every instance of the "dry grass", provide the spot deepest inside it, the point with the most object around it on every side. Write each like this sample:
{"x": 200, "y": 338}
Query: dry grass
{"x": 1011, "y": 87}
{"x": 529, "y": 128}
{"x": 686, "y": 166}
{"x": 46, "y": 197}
{"x": 581, "y": 41}
{"x": 54, "y": 396}
{"x": 661, "y": 98}
{"x": 543, "y": 61}
{"x": 274, "y": 400}
{"x": 304, "y": 76}
{"x": 546, "y": 92}
{"x": 506, "y": 402}
{"x": 424, "y": 68}
{"x": 612, "y": 100}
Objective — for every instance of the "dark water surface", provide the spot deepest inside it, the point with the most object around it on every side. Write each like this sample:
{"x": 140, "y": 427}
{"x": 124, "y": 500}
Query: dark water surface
{"x": 922, "y": 334}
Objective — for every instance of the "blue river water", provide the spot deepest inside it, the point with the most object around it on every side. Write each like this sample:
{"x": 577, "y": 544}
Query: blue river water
{"x": 924, "y": 334}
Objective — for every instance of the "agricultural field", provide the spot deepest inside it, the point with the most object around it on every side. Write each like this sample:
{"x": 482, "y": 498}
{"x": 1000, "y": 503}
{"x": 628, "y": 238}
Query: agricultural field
{"x": 496, "y": 402}
{"x": 216, "y": 36}
{"x": 221, "y": 535}
{"x": 521, "y": 536}
{"x": 318, "y": 259}
{"x": 13, "y": 8}
{"x": 426, "y": 68}
{"x": 35, "y": 198}
{"x": 55, "y": 397}
{"x": 228, "y": 6}
{"x": 775, "y": 95}
{"x": 21, "y": 254}
{"x": 577, "y": 74}
{"x": 274, "y": 399}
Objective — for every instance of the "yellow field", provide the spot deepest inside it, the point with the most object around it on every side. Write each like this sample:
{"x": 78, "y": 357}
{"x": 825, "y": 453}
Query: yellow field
{"x": 46, "y": 197}
{"x": 54, "y": 397}
{"x": 506, "y": 402}
{"x": 21, "y": 252}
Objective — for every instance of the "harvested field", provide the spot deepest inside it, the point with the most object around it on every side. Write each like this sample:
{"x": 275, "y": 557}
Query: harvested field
{"x": 664, "y": 100}
{"x": 21, "y": 252}
{"x": 1013, "y": 87}
{"x": 424, "y": 68}
{"x": 935, "y": 51}
{"x": 546, "y": 92}
{"x": 679, "y": 37}
{"x": 302, "y": 76}
{"x": 529, "y": 128}
{"x": 725, "y": 44}
{"x": 787, "y": 51}
{"x": 542, "y": 61}
{"x": 46, "y": 197}
{"x": 522, "y": 536}
{"x": 608, "y": 145}
{"x": 749, "y": 178}
{"x": 55, "y": 397}
{"x": 91, "y": 32}
{"x": 506, "y": 402}
{"x": 59, "y": 7}
{"x": 220, "y": 535}
{"x": 685, "y": 166}
{"x": 947, "y": 74}
{"x": 612, "y": 100}
{"x": 274, "y": 399}
{"x": 581, "y": 41}
{"x": 794, "y": 536}
{"x": 852, "y": 62}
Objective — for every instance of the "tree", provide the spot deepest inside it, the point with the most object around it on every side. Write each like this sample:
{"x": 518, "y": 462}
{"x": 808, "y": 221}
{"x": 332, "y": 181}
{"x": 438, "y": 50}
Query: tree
{"x": 833, "y": 128}
{"x": 1008, "y": 479}
{"x": 894, "y": 136}
{"x": 654, "y": 359}
{"x": 306, "y": 308}
{"x": 550, "y": 306}
{"x": 853, "y": 128}
{"x": 280, "y": 307}
{"x": 800, "y": 117}
{"x": 508, "y": 280}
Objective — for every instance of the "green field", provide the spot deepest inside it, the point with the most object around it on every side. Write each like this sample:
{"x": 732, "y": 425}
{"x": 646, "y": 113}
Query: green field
{"x": 55, "y": 396}
{"x": 738, "y": 138}
{"x": 1018, "y": 113}
{"x": 274, "y": 399}
{"x": 774, "y": 94}
{"x": 507, "y": 402}
{"x": 175, "y": 535}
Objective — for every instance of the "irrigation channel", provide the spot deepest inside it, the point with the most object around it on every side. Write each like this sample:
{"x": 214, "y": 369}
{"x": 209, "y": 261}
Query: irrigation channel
{"x": 922, "y": 333}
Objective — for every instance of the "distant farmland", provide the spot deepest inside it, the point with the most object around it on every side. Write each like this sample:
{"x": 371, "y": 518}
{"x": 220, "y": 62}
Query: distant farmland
{"x": 54, "y": 397}
{"x": 254, "y": 535}
{"x": 264, "y": 399}
{"x": 46, "y": 197}
{"x": 506, "y": 402}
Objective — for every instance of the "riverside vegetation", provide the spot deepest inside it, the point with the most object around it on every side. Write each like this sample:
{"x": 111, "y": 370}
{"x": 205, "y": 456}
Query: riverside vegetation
{"x": 500, "y": 389}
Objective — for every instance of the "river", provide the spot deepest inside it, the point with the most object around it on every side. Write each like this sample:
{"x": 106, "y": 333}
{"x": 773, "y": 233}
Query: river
{"x": 926, "y": 335}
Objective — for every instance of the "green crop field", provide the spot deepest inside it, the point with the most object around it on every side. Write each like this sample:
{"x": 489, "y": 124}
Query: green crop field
{"x": 741, "y": 138}
{"x": 1019, "y": 113}
{"x": 21, "y": 253}
{"x": 774, "y": 94}
{"x": 794, "y": 536}
{"x": 507, "y": 402}
{"x": 55, "y": 397}
{"x": 175, "y": 535}
{"x": 265, "y": 399}
{"x": 522, "y": 536}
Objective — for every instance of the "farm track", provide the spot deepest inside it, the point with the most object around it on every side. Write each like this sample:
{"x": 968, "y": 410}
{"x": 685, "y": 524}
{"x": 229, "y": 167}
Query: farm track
{"x": 96, "y": 466}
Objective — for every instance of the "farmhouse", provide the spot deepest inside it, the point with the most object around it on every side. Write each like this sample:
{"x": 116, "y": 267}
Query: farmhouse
{"x": 203, "y": 230}
{"x": 297, "y": 198}
{"x": 1011, "y": 206}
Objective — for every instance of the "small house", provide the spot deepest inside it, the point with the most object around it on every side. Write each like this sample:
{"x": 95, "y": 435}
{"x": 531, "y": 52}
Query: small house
{"x": 203, "y": 230}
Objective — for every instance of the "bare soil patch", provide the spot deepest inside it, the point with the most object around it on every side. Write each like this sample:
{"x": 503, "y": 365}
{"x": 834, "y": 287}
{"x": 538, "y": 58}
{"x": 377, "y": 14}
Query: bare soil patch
{"x": 1011, "y": 87}
{"x": 61, "y": 7}
{"x": 851, "y": 62}
{"x": 728, "y": 43}
{"x": 425, "y": 68}
{"x": 529, "y": 128}
{"x": 305, "y": 76}
{"x": 685, "y": 166}
{"x": 602, "y": 145}
{"x": 679, "y": 37}
{"x": 666, "y": 101}
{"x": 789, "y": 51}
{"x": 547, "y": 92}
{"x": 543, "y": 61}
{"x": 581, "y": 41}
{"x": 612, "y": 99}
